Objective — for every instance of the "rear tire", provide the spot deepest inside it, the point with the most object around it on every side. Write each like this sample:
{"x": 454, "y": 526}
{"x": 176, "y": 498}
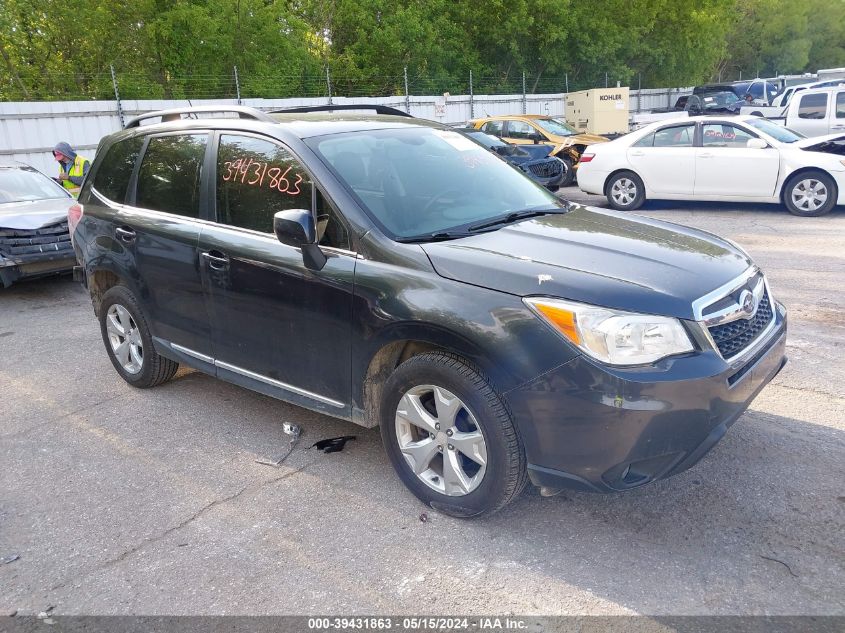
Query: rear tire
{"x": 129, "y": 343}
{"x": 625, "y": 191}
{"x": 450, "y": 436}
{"x": 810, "y": 194}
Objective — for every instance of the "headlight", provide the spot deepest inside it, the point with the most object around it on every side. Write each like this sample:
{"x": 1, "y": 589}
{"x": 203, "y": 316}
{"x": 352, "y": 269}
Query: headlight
{"x": 613, "y": 336}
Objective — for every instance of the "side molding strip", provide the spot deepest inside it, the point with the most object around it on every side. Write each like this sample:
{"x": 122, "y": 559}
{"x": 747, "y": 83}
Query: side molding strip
{"x": 251, "y": 374}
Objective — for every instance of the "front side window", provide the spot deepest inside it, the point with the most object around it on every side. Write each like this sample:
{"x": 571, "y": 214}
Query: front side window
{"x": 115, "y": 170}
{"x": 520, "y": 129}
{"x": 679, "y": 136}
{"x": 257, "y": 178}
{"x": 170, "y": 174}
{"x": 556, "y": 127}
{"x": 812, "y": 106}
{"x": 723, "y": 135}
{"x": 840, "y": 105}
{"x": 493, "y": 127}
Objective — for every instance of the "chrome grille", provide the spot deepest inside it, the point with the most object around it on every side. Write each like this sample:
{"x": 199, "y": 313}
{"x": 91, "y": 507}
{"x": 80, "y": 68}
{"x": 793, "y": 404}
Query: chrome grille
{"x": 546, "y": 169}
{"x": 734, "y": 337}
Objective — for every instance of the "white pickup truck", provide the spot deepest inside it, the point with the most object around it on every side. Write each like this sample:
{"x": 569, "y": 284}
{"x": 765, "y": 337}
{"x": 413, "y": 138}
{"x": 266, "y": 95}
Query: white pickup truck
{"x": 812, "y": 112}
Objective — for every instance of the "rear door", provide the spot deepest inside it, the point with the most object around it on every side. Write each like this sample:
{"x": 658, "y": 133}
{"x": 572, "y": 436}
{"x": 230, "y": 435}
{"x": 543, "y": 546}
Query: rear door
{"x": 277, "y": 326}
{"x": 152, "y": 238}
{"x": 665, "y": 159}
{"x": 725, "y": 166}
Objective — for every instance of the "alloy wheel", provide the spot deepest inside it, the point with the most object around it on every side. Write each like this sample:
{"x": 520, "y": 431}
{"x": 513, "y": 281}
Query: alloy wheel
{"x": 124, "y": 338}
{"x": 623, "y": 191}
{"x": 809, "y": 194}
{"x": 441, "y": 440}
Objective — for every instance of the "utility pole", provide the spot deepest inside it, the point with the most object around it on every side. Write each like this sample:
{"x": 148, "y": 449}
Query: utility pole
{"x": 329, "y": 84}
{"x": 237, "y": 85}
{"x": 407, "y": 94}
{"x": 471, "y": 100}
{"x": 524, "y": 104}
{"x": 116, "y": 96}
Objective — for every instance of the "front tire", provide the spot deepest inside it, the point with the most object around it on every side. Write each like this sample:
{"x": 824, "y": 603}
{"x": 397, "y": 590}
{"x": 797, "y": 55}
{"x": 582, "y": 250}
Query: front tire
{"x": 810, "y": 194}
{"x": 625, "y": 191}
{"x": 450, "y": 436}
{"x": 129, "y": 343}
{"x": 569, "y": 172}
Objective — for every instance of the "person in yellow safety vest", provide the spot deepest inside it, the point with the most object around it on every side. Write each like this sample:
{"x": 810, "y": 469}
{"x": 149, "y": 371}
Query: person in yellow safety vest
{"x": 72, "y": 167}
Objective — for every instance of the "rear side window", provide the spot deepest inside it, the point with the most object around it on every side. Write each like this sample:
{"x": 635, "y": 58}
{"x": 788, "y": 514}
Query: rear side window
{"x": 115, "y": 170}
{"x": 169, "y": 178}
{"x": 812, "y": 106}
{"x": 840, "y": 105}
{"x": 681, "y": 136}
{"x": 255, "y": 180}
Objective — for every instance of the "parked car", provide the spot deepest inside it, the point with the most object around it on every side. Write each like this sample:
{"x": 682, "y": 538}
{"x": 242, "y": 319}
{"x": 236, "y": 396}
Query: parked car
{"x": 761, "y": 90}
{"x": 816, "y": 112}
{"x": 783, "y": 99}
{"x": 534, "y": 160}
{"x": 390, "y": 271}
{"x": 525, "y": 129}
{"x": 34, "y": 239}
{"x": 715, "y": 102}
{"x": 738, "y": 159}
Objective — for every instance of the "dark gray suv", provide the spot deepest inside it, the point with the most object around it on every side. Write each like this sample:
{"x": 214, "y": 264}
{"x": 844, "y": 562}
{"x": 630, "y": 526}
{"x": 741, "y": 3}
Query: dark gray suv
{"x": 390, "y": 271}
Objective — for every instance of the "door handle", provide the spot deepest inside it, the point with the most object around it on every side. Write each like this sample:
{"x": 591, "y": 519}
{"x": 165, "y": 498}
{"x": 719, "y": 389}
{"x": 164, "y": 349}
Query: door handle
{"x": 636, "y": 153}
{"x": 706, "y": 155}
{"x": 216, "y": 260}
{"x": 125, "y": 234}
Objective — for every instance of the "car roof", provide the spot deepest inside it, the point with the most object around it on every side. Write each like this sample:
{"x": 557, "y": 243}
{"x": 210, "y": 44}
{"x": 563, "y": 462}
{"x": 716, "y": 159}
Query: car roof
{"x": 695, "y": 119}
{"x": 513, "y": 117}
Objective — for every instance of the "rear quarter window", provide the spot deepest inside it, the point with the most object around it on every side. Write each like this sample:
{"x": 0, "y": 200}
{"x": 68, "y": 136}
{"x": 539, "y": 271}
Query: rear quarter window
{"x": 112, "y": 177}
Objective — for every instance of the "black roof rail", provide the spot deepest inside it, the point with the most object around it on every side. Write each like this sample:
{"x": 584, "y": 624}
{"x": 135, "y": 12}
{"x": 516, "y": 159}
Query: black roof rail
{"x": 244, "y": 112}
{"x": 378, "y": 109}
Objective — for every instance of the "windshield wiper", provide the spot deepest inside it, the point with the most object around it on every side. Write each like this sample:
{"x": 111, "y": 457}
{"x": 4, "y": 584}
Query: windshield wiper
{"x": 516, "y": 216}
{"x": 439, "y": 236}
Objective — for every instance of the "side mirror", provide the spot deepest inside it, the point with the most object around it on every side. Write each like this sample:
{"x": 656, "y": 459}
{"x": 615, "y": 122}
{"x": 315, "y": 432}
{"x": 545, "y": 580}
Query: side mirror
{"x": 536, "y": 137}
{"x": 297, "y": 228}
{"x": 756, "y": 143}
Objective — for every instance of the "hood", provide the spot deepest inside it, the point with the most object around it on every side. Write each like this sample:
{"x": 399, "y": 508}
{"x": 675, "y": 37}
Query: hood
{"x": 65, "y": 149}
{"x": 34, "y": 214}
{"x": 535, "y": 151}
{"x": 595, "y": 256}
{"x": 578, "y": 139}
{"x": 830, "y": 144}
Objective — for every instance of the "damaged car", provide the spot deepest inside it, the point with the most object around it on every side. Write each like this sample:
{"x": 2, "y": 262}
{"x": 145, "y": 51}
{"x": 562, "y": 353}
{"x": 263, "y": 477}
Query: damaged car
{"x": 34, "y": 238}
{"x": 526, "y": 129}
{"x": 718, "y": 158}
{"x": 534, "y": 160}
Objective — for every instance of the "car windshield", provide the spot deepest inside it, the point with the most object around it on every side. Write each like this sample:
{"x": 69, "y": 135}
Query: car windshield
{"x": 421, "y": 181}
{"x": 24, "y": 185}
{"x": 556, "y": 127}
{"x": 777, "y": 132}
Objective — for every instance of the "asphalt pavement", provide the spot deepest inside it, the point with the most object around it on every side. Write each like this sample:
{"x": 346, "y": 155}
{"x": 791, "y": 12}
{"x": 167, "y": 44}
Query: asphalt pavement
{"x": 122, "y": 501}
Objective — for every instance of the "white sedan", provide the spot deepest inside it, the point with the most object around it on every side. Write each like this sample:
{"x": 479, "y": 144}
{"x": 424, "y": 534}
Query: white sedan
{"x": 725, "y": 158}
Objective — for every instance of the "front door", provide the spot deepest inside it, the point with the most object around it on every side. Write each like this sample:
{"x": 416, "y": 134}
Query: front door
{"x": 837, "y": 121}
{"x": 277, "y": 326}
{"x": 726, "y": 166}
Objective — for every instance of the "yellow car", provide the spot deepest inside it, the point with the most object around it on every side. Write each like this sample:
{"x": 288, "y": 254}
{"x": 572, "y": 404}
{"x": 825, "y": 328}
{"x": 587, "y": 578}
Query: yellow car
{"x": 522, "y": 129}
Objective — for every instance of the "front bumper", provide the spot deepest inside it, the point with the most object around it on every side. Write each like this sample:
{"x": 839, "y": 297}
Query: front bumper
{"x": 12, "y": 270}
{"x": 600, "y": 429}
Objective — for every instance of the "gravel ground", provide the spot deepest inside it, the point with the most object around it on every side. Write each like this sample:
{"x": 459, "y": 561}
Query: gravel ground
{"x": 120, "y": 501}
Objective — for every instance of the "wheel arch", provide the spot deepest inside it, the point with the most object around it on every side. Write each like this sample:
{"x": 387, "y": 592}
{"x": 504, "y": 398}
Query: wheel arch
{"x": 619, "y": 171}
{"x": 800, "y": 171}
{"x": 397, "y": 345}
